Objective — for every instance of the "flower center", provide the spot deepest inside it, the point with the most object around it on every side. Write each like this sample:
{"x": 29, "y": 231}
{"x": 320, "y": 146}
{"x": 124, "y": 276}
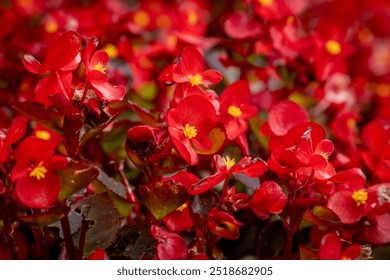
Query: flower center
{"x": 234, "y": 111}
{"x": 266, "y": 2}
{"x": 100, "y": 67}
{"x": 324, "y": 156}
{"x": 111, "y": 50}
{"x": 333, "y": 47}
{"x": 51, "y": 26}
{"x": 229, "y": 162}
{"x": 195, "y": 79}
{"x": 39, "y": 172}
{"x": 42, "y": 134}
{"x": 189, "y": 131}
{"x": 360, "y": 197}
{"x": 192, "y": 18}
{"x": 141, "y": 18}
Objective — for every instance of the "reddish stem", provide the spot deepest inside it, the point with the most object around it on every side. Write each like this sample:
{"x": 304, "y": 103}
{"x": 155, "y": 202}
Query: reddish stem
{"x": 70, "y": 249}
{"x": 7, "y": 228}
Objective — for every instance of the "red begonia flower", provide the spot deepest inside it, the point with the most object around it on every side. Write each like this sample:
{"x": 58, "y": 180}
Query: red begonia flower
{"x": 15, "y": 132}
{"x": 36, "y": 184}
{"x": 188, "y": 125}
{"x": 251, "y": 167}
{"x": 376, "y": 137}
{"x": 190, "y": 69}
{"x": 331, "y": 249}
{"x": 285, "y": 115}
{"x": 61, "y": 59}
{"x": 95, "y": 71}
{"x": 170, "y": 246}
{"x": 223, "y": 224}
{"x": 236, "y": 109}
{"x": 349, "y": 201}
{"x": 268, "y": 198}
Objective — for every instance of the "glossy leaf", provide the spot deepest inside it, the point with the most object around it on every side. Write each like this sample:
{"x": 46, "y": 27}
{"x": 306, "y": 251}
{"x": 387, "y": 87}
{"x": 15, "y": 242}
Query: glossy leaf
{"x": 74, "y": 178}
{"x": 162, "y": 198}
{"x": 104, "y": 221}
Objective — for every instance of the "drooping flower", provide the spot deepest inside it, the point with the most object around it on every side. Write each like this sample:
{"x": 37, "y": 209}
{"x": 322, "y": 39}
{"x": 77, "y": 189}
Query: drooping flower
{"x": 251, "y": 167}
{"x": 236, "y": 109}
{"x": 170, "y": 246}
{"x": 268, "y": 198}
{"x": 15, "y": 132}
{"x": 36, "y": 184}
{"x": 223, "y": 224}
{"x": 188, "y": 125}
{"x": 332, "y": 249}
{"x": 95, "y": 71}
{"x": 61, "y": 59}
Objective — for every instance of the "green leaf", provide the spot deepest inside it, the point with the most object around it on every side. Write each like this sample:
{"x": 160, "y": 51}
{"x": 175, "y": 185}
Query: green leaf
{"x": 91, "y": 128}
{"x": 321, "y": 216}
{"x": 43, "y": 219}
{"x": 75, "y": 177}
{"x": 308, "y": 253}
{"x": 162, "y": 198}
{"x": 115, "y": 190}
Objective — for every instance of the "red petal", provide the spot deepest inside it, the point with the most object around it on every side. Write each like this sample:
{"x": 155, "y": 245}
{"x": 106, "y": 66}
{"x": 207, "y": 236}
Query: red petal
{"x": 171, "y": 246}
{"x": 183, "y": 145}
{"x": 325, "y": 147}
{"x": 98, "y": 57}
{"x": 345, "y": 207}
{"x": 109, "y": 92}
{"x": 237, "y": 93}
{"x": 62, "y": 52}
{"x": 330, "y": 248}
{"x": 34, "y": 150}
{"x": 35, "y": 193}
{"x": 97, "y": 77}
{"x": 50, "y": 85}
{"x": 285, "y": 115}
{"x": 31, "y": 64}
{"x": 202, "y": 142}
{"x": 206, "y": 183}
{"x": 179, "y": 220}
{"x": 16, "y": 130}
{"x": 223, "y": 224}
{"x": 191, "y": 63}
{"x": 211, "y": 76}
{"x": 240, "y": 25}
{"x": 196, "y": 111}
{"x": 251, "y": 167}
{"x": 352, "y": 252}
{"x": 183, "y": 177}
{"x": 269, "y": 197}
{"x": 89, "y": 49}
{"x": 379, "y": 230}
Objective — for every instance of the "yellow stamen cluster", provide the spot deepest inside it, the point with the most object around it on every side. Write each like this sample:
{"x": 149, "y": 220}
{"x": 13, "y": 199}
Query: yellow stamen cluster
{"x": 100, "y": 67}
{"x": 360, "y": 197}
{"x": 195, "y": 79}
{"x": 141, "y": 18}
{"x": 192, "y": 18}
{"x": 234, "y": 111}
{"x": 39, "y": 172}
{"x": 190, "y": 131}
{"x": 230, "y": 162}
{"x": 333, "y": 47}
{"x": 42, "y": 134}
{"x": 265, "y": 2}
